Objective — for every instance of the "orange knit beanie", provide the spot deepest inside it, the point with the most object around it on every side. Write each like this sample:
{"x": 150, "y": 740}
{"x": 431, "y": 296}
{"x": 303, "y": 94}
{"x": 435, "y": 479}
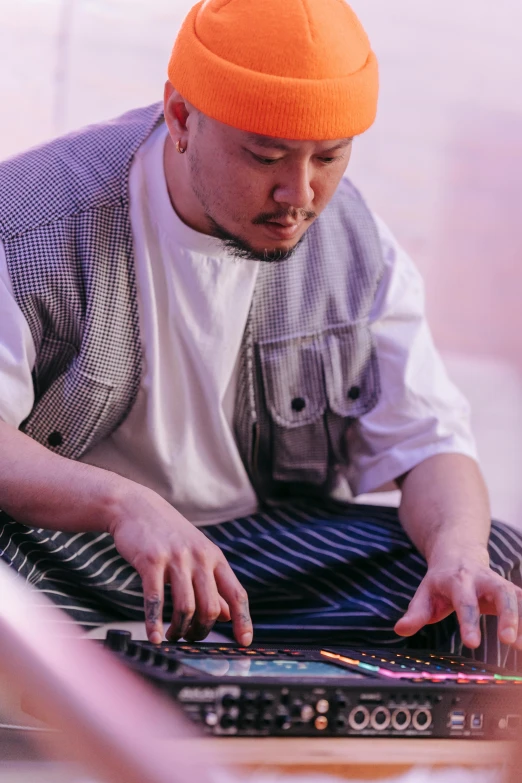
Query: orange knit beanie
{"x": 294, "y": 69}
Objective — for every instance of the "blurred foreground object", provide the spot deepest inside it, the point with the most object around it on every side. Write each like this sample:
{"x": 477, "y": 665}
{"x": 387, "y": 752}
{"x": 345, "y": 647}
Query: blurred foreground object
{"x": 105, "y": 718}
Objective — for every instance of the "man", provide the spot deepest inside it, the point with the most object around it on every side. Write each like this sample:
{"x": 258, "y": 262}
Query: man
{"x": 205, "y": 327}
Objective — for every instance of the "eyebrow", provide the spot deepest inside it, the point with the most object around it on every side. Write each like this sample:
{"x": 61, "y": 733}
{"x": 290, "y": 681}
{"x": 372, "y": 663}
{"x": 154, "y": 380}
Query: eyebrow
{"x": 275, "y": 144}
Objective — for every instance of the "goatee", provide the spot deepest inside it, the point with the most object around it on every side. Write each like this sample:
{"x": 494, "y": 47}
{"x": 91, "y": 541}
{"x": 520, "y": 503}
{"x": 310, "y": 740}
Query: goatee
{"x": 240, "y": 249}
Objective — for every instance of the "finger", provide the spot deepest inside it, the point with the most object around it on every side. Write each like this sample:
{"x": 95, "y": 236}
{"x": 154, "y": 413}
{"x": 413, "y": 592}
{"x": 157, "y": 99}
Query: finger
{"x": 507, "y": 610}
{"x": 183, "y": 603}
{"x": 418, "y": 615}
{"x": 153, "y": 587}
{"x": 208, "y": 606}
{"x": 518, "y": 643}
{"x": 224, "y": 616}
{"x": 237, "y": 599}
{"x": 467, "y": 608}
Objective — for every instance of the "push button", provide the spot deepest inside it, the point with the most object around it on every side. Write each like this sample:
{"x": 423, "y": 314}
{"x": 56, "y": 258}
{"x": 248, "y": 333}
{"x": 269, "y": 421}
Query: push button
{"x": 298, "y": 404}
{"x": 55, "y": 439}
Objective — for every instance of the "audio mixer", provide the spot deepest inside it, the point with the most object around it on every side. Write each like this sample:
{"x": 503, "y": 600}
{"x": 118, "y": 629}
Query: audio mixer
{"x": 290, "y": 690}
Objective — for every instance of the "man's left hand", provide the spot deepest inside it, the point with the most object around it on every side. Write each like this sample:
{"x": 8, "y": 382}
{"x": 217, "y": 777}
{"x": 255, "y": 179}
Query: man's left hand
{"x": 464, "y": 582}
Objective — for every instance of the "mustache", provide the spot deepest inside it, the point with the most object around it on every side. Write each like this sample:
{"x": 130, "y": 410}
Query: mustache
{"x": 295, "y": 215}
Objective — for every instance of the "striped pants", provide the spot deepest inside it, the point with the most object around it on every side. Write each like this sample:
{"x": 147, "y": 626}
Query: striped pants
{"x": 336, "y": 574}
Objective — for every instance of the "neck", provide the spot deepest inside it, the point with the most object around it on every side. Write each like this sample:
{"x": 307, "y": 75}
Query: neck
{"x": 182, "y": 196}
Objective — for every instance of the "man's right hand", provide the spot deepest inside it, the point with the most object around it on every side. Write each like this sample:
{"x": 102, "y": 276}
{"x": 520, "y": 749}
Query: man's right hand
{"x": 165, "y": 548}
{"x": 42, "y": 489}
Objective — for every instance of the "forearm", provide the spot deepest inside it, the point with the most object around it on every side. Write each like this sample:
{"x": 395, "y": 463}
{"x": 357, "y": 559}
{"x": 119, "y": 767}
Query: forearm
{"x": 445, "y": 506}
{"x": 45, "y": 490}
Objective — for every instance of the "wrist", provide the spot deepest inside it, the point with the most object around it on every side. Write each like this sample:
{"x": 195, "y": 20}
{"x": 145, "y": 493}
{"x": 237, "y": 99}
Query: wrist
{"x": 115, "y": 497}
{"x": 446, "y": 550}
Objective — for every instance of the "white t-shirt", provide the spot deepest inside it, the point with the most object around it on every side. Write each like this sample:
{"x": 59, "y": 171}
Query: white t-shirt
{"x": 194, "y": 301}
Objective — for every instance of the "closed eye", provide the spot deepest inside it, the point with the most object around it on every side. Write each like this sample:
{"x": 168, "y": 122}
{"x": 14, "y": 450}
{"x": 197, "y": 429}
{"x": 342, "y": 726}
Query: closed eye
{"x": 327, "y": 161}
{"x": 272, "y": 161}
{"x": 265, "y": 161}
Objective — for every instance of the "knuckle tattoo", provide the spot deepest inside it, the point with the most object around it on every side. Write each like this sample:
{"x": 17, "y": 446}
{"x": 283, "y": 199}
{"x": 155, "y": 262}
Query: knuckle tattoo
{"x": 152, "y": 609}
{"x": 510, "y": 602}
{"x": 471, "y": 614}
{"x": 244, "y": 612}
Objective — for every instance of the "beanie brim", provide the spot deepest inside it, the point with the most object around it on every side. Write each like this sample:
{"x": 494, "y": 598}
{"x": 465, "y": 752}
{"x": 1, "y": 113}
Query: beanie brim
{"x": 280, "y": 107}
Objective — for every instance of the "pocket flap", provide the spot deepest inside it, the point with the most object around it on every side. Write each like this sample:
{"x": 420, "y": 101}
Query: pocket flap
{"x": 351, "y": 372}
{"x": 70, "y": 414}
{"x": 293, "y": 381}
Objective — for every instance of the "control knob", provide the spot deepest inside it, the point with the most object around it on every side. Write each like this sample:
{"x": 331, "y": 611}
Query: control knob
{"x": 117, "y": 640}
{"x": 147, "y": 655}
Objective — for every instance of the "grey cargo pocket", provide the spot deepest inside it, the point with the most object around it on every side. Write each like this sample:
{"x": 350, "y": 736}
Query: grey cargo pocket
{"x": 295, "y": 396}
{"x": 352, "y": 382}
{"x": 314, "y": 388}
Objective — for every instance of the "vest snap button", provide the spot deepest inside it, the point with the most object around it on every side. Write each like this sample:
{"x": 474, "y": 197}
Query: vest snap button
{"x": 55, "y": 439}
{"x": 354, "y": 393}
{"x": 298, "y": 404}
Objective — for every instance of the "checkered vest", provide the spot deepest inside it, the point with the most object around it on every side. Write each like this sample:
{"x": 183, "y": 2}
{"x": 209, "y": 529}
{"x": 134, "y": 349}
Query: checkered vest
{"x": 307, "y": 367}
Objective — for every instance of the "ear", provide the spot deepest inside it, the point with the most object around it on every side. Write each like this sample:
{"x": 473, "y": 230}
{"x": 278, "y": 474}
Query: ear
{"x": 177, "y": 111}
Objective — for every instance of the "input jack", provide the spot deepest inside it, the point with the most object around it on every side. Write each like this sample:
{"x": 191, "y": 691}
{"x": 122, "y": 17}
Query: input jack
{"x": 359, "y": 718}
{"x": 380, "y": 719}
{"x": 422, "y": 720}
{"x": 401, "y": 719}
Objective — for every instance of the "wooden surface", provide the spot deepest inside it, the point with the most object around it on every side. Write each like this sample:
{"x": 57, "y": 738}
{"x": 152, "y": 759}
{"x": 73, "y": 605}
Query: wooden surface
{"x": 350, "y": 759}
{"x": 366, "y": 759}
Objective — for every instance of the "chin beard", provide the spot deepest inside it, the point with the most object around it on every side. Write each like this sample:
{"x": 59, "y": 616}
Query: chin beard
{"x": 241, "y": 250}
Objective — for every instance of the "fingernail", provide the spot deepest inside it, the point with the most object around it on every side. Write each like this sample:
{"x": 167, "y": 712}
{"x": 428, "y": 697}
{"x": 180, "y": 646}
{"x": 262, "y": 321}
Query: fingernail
{"x": 155, "y": 637}
{"x": 509, "y": 636}
{"x": 246, "y": 639}
{"x": 473, "y": 640}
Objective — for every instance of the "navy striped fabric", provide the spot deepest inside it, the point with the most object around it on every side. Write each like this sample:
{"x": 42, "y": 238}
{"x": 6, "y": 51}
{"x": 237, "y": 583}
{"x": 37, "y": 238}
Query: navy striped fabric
{"x": 331, "y": 574}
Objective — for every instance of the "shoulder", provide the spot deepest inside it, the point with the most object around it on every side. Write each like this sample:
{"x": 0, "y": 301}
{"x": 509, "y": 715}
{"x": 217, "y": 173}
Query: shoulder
{"x": 83, "y": 170}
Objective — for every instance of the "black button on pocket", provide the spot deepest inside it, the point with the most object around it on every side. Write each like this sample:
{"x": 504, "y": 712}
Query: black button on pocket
{"x": 354, "y": 393}
{"x": 298, "y": 404}
{"x": 55, "y": 439}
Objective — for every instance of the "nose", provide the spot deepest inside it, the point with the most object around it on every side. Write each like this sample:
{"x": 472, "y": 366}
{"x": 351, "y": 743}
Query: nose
{"x": 295, "y": 189}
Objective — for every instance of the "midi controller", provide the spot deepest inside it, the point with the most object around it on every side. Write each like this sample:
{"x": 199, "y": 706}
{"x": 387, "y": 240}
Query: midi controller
{"x": 290, "y": 690}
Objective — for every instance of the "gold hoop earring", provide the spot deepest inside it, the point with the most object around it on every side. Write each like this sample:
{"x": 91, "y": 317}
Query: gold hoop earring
{"x": 180, "y": 149}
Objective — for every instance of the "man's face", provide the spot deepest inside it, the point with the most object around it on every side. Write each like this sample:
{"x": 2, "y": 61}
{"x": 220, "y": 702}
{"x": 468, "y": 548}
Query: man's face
{"x": 260, "y": 194}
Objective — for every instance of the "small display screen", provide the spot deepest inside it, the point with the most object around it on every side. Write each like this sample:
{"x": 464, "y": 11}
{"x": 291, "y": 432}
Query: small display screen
{"x": 249, "y": 667}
